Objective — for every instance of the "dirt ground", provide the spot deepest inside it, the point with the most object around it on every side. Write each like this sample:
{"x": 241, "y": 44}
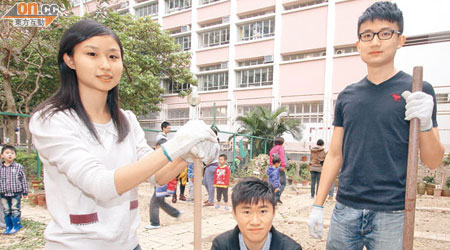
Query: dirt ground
{"x": 292, "y": 215}
{"x": 291, "y": 218}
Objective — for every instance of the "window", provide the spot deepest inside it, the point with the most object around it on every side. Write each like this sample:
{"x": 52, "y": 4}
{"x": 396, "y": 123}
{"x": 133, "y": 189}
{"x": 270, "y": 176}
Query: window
{"x": 347, "y": 50}
{"x": 215, "y": 37}
{"x": 442, "y": 98}
{"x": 177, "y": 5}
{"x": 258, "y": 14}
{"x": 251, "y": 62}
{"x": 306, "y": 4}
{"x": 75, "y": 2}
{"x": 148, "y": 10}
{"x": 222, "y": 65}
{"x": 184, "y": 42}
{"x": 178, "y": 117}
{"x": 307, "y": 55}
{"x": 255, "y": 77}
{"x": 308, "y": 112}
{"x": 243, "y": 110}
{"x": 257, "y": 30}
{"x": 207, "y": 115}
{"x": 209, "y": 1}
{"x": 213, "y": 81}
{"x": 170, "y": 87}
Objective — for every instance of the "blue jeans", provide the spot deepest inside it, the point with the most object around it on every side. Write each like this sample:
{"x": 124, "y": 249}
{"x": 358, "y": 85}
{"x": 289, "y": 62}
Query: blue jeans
{"x": 282, "y": 185}
{"x": 11, "y": 205}
{"x": 315, "y": 179}
{"x": 155, "y": 204}
{"x": 352, "y": 229}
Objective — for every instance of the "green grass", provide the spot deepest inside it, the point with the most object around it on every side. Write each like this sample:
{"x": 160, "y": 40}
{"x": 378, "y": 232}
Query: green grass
{"x": 31, "y": 236}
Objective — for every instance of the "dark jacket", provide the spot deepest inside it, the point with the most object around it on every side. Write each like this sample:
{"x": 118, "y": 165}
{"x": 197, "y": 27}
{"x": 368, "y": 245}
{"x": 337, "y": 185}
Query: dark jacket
{"x": 230, "y": 241}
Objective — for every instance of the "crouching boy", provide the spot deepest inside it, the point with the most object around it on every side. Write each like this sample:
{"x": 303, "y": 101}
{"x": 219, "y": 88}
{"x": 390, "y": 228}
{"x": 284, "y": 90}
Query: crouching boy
{"x": 253, "y": 203}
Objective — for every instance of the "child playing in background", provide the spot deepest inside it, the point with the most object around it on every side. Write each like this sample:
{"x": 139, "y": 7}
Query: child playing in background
{"x": 190, "y": 175}
{"x": 274, "y": 175}
{"x": 13, "y": 184}
{"x": 222, "y": 181}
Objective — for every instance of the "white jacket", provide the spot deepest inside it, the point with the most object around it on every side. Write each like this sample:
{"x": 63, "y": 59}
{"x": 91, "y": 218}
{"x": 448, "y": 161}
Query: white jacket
{"x": 86, "y": 210}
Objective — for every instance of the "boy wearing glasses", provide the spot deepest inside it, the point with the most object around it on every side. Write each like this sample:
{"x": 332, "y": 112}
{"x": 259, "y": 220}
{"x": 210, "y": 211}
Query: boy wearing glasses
{"x": 369, "y": 145}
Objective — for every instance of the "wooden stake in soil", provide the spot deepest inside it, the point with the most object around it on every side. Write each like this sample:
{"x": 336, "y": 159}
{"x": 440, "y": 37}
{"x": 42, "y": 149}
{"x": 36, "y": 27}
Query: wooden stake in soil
{"x": 411, "y": 174}
{"x": 198, "y": 172}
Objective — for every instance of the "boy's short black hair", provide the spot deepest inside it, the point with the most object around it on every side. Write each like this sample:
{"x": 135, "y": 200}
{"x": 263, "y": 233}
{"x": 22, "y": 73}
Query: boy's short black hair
{"x": 382, "y": 11}
{"x": 252, "y": 190}
{"x": 276, "y": 159}
{"x": 320, "y": 142}
{"x": 164, "y": 125}
{"x": 279, "y": 141}
{"x": 224, "y": 156}
{"x": 10, "y": 147}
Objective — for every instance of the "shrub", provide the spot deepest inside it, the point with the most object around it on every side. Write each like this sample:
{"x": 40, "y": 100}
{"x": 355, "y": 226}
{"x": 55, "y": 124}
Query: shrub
{"x": 28, "y": 161}
{"x": 428, "y": 179}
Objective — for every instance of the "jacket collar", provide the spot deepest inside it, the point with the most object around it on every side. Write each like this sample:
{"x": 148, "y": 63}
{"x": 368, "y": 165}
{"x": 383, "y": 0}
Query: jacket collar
{"x": 274, "y": 244}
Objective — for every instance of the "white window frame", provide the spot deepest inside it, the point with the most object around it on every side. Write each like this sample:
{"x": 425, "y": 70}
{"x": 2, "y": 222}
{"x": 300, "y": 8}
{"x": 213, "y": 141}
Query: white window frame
{"x": 257, "y": 30}
{"x": 307, "y": 112}
{"x": 147, "y": 10}
{"x": 169, "y": 87}
{"x": 215, "y": 37}
{"x": 184, "y": 42}
{"x": 177, "y": 5}
{"x": 213, "y": 81}
{"x": 178, "y": 117}
{"x": 255, "y": 77}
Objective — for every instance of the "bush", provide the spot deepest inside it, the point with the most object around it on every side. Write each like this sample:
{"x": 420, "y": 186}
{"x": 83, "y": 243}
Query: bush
{"x": 304, "y": 172}
{"x": 447, "y": 184}
{"x": 28, "y": 161}
{"x": 292, "y": 171}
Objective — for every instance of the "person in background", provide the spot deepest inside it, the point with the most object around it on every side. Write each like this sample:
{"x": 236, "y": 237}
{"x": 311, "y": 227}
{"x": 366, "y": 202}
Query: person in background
{"x": 222, "y": 181}
{"x": 158, "y": 199}
{"x": 278, "y": 150}
{"x": 13, "y": 185}
{"x": 317, "y": 158}
{"x": 208, "y": 178}
{"x": 274, "y": 175}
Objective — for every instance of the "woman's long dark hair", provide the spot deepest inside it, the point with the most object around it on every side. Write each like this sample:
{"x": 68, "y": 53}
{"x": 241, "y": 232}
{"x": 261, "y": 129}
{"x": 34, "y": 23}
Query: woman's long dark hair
{"x": 68, "y": 96}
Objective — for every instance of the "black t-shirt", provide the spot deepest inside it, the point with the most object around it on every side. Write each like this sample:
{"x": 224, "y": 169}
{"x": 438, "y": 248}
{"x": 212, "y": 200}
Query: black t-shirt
{"x": 375, "y": 143}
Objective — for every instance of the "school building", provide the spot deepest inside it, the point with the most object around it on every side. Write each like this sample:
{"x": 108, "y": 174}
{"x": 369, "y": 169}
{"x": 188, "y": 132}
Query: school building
{"x": 294, "y": 53}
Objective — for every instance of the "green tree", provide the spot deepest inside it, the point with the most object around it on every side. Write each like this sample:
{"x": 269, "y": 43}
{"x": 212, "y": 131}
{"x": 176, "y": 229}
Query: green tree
{"x": 264, "y": 123}
{"x": 29, "y": 70}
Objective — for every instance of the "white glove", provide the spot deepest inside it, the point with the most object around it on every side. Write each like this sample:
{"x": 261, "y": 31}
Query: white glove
{"x": 315, "y": 222}
{"x": 419, "y": 105}
{"x": 206, "y": 150}
{"x": 186, "y": 137}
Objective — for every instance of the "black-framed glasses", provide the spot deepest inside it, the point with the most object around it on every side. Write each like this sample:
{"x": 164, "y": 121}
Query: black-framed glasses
{"x": 382, "y": 35}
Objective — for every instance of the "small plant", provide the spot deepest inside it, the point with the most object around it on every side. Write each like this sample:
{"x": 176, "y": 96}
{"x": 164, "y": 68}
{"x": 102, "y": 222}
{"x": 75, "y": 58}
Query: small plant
{"x": 447, "y": 184}
{"x": 304, "y": 172}
{"x": 428, "y": 179}
{"x": 28, "y": 161}
{"x": 292, "y": 171}
{"x": 258, "y": 166}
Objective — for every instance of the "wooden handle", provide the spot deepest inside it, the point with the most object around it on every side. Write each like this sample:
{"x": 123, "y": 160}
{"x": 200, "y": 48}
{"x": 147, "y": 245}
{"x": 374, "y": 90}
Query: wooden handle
{"x": 198, "y": 171}
{"x": 411, "y": 173}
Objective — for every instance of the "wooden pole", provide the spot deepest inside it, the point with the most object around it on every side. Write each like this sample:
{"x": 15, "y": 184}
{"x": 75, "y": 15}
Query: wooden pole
{"x": 411, "y": 174}
{"x": 198, "y": 172}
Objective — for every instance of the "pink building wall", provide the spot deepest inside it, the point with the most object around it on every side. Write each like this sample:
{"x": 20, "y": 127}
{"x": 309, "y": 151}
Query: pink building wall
{"x": 248, "y": 6}
{"x": 220, "y": 98}
{"x": 210, "y": 56}
{"x": 254, "y": 49}
{"x": 213, "y": 11}
{"x": 304, "y": 30}
{"x": 347, "y": 14}
{"x": 253, "y": 96}
{"x": 177, "y": 20}
{"x": 344, "y": 75}
{"x": 302, "y": 78}
{"x": 175, "y": 102}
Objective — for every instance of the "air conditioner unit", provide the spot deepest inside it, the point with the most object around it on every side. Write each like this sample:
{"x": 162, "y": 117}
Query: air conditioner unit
{"x": 226, "y": 19}
{"x": 185, "y": 28}
{"x": 268, "y": 59}
{"x": 339, "y": 52}
{"x": 224, "y": 65}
